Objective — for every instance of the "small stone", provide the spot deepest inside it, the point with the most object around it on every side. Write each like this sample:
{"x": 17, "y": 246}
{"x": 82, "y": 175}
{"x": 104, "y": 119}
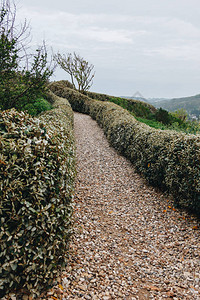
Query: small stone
{"x": 102, "y": 274}
{"x": 82, "y": 287}
{"x": 152, "y": 288}
{"x": 50, "y": 293}
{"x": 187, "y": 274}
{"x": 66, "y": 282}
{"x": 82, "y": 279}
{"x": 134, "y": 290}
{"x": 59, "y": 291}
{"x": 171, "y": 294}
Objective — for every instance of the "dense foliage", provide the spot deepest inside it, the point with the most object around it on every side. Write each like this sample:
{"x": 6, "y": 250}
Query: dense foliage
{"x": 38, "y": 106}
{"x": 23, "y": 77}
{"x": 21, "y": 87}
{"x": 36, "y": 192}
{"x": 168, "y": 159}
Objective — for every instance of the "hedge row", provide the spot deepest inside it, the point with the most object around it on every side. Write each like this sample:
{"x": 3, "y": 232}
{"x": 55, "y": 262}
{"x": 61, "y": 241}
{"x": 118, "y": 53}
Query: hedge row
{"x": 36, "y": 192}
{"x": 103, "y": 97}
{"x": 131, "y": 103}
{"x": 168, "y": 159}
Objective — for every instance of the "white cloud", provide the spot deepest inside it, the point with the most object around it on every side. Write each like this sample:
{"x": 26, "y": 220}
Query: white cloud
{"x": 179, "y": 52}
{"x": 106, "y": 35}
{"x": 182, "y": 28}
{"x": 99, "y": 28}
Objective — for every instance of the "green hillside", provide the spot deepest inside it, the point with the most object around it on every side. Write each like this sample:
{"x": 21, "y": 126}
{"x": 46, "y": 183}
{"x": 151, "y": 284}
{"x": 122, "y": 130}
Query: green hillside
{"x": 190, "y": 104}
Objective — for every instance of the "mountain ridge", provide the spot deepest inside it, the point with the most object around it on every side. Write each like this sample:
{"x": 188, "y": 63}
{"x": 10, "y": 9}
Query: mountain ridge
{"x": 189, "y": 103}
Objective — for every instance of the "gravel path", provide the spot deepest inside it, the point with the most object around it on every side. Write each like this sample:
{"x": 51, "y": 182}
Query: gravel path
{"x": 129, "y": 242}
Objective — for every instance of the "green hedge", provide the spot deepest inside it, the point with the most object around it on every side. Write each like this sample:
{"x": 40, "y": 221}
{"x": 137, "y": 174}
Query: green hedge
{"x": 168, "y": 159}
{"x": 36, "y": 191}
{"x": 129, "y": 104}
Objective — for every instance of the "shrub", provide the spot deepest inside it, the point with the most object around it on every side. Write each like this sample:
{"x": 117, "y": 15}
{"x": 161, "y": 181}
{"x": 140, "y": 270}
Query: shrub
{"x": 65, "y": 83}
{"x": 152, "y": 123}
{"x": 36, "y": 192}
{"x": 37, "y": 107}
{"x": 168, "y": 159}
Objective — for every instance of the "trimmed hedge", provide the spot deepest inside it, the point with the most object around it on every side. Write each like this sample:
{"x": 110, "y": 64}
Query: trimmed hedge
{"x": 130, "y": 104}
{"x": 167, "y": 159}
{"x": 36, "y": 191}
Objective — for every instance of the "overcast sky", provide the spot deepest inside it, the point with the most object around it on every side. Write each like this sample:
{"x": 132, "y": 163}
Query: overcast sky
{"x": 150, "y": 46}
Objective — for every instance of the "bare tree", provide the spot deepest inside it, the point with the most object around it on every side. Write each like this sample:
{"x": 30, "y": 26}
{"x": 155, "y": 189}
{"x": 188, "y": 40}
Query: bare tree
{"x": 80, "y": 70}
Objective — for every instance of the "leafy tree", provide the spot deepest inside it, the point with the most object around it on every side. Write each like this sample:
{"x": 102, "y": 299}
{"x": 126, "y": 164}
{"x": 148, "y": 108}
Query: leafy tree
{"x": 181, "y": 114}
{"x": 23, "y": 76}
{"x": 80, "y": 70}
{"x": 163, "y": 116}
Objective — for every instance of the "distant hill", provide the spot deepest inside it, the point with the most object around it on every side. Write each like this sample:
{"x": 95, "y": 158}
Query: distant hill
{"x": 190, "y": 104}
{"x": 153, "y": 100}
{"x": 136, "y": 98}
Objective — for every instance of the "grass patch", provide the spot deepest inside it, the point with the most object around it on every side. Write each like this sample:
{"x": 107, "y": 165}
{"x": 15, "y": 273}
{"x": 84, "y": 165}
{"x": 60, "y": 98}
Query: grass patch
{"x": 152, "y": 123}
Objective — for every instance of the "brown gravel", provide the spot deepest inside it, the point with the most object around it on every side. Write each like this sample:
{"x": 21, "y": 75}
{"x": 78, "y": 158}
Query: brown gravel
{"x": 129, "y": 242}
